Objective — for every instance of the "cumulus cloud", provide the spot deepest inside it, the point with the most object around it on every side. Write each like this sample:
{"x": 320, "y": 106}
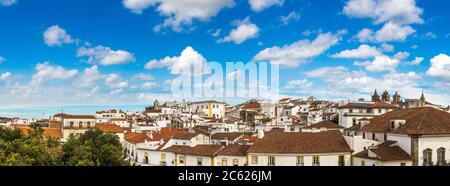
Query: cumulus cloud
{"x": 416, "y": 61}
{"x": 89, "y": 77}
{"x": 180, "y": 12}
{"x": 57, "y": 36}
{"x": 381, "y": 11}
{"x": 259, "y": 5}
{"x": 5, "y": 76}
{"x": 388, "y": 33}
{"x": 46, "y": 71}
{"x": 379, "y": 64}
{"x": 7, "y": 2}
{"x": 105, "y": 56}
{"x": 245, "y": 30}
{"x": 362, "y": 52}
{"x": 296, "y": 53}
{"x": 299, "y": 84}
{"x": 143, "y": 76}
{"x": 183, "y": 64}
{"x": 116, "y": 81}
{"x": 293, "y": 16}
{"x": 440, "y": 67}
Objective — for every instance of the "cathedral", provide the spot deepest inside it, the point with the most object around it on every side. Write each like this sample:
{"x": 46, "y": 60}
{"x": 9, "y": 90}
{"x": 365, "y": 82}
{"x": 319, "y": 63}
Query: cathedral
{"x": 396, "y": 99}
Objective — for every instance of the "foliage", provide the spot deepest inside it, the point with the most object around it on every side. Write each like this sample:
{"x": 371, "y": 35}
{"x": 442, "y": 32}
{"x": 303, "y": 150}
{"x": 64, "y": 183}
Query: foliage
{"x": 93, "y": 148}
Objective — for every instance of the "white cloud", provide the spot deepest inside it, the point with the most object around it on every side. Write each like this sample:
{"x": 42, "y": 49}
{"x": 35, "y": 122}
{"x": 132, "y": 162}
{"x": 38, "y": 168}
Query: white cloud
{"x": 401, "y": 56}
{"x": 293, "y": 16}
{"x": 235, "y": 75}
{"x": 245, "y": 30}
{"x": 5, "y": 76}
{"x": 142, "y": 76}
{"x": 259, "y": 5}
{"x": 45, "y": 71}
{"x": 429, "y": 36}
{"x": 381, "y": 11}
{"x": 299, "y": 84}
{"x": 116, "y": 81}
{"x": 416, "y": 61}
{"x": 380, "y": 63}
{"x": 105, "y": 55}
{"x": 387, "y": 47}
{"x": 149, "y": 85}
{"x": 180, "y": 12}
{"x": 362, "y": 52}
{"x": 440, "y": 67}
{"x": 89, "y": 77}
{"x": 390, "y": 32}
{"x": 296, "y": 53}
{"x": 215, "y": 33}
{"x": 56, "y": 36}
{"x": 7, "y": 2}
{"x": 183, "y": 64}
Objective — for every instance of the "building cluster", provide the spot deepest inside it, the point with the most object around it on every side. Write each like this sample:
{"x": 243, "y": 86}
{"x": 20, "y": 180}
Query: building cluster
{"x": 385, "y": 131}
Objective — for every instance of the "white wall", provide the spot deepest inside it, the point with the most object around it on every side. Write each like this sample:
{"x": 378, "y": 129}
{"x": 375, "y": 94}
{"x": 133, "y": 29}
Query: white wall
{"x": 291, "y": 160}
{"x": 242, "y": 160}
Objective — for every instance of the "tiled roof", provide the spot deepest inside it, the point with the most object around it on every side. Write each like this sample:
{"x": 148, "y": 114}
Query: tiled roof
{"x": 185, "y": 136}
{"x": 325, "y": 124}
{"x": 254, "y": 105}
{"x": 47, "y": 132}
{"x": 301, "y": 143}
{"x": 136, "y": 137}
{"x": 375, "y": 105}
{"x": 199, "y": 150}
{"x": 110, "y": 128}
{"x": 234, "y": 150}
{"x": 67, "y": 116}
{"x": 227, "y": 136}
{"x": 419, "y": 121}
{"x": 387, "y": 151}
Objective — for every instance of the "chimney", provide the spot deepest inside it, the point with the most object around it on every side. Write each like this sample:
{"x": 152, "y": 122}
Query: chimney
{"x": 260, "y": 133}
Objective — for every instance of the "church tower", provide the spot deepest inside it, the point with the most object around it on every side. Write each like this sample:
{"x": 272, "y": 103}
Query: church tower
{"x": 422, "y": 100}
{"x": 396, "y": 98}
{"x": 386, "y": 97}
{"x": 375, "y": 96}
{"x": 156, "y": 104}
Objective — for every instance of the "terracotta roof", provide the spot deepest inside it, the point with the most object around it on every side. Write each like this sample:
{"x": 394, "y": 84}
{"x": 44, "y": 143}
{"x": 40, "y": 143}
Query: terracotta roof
{"x": 136, "y": 137}
{"x": 367, "y": 105}
{"x": 110, "y": 128}
{"x": 387, "y": 151}
{"x": 301, "y": 143}
{"x": 325, "y": 124}
{"x": 231, "y": 136}
{"x": 199, "y": 150}
{"x": 249, "y": 138}
{"x": 254, "y": 105}
{"x": 47, "y": 132}
{"x": 234, "y": 150}
{"x": 419, "y": 121}
{"x": 185, "y": 136}
{"x": 294, "y": 118}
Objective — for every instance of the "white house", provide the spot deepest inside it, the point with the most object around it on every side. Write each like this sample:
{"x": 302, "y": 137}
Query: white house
{"x": 350, "y": 113}
{"x": 300, "y": 149}
{"x": 210, "y": 109}
{"x": 232, "y": 155}
{"x": 200, "y": 155}
{"x": 76, "y": 124}
{"x": 388, "y": 153}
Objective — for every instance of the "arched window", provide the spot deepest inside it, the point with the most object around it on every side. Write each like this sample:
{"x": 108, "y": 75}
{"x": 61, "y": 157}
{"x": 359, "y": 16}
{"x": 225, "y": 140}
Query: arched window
{"x": 71, "y": 124}
{"x": 80, "y": 125}
{"x": 441, "y": 156}
{"x": 427, "y": 157}
{"x": 88, "y": 124}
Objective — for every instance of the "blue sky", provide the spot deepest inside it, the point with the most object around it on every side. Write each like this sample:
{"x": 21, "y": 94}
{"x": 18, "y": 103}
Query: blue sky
{"x": 94, "y": 52}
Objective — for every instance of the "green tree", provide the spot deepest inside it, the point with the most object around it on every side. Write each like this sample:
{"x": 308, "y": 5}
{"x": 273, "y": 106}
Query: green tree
{"x": 93, "y": 148}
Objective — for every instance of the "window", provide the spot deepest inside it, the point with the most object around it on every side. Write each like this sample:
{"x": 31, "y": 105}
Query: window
{"x": 380, "y": 111}
{"x": 89, "y": 124}
{"x": 354, "y": 121}
{"x": 364, "y": 135}
{"x": 363, "y": 163}
{"x": 71, "y": 124}
{"x": 402, "y": 164}
{"x": 271, "y": 161}
{"x": 427, "y": 157}
{"x": 182, "y": 160}
{"x": 163, "y": 157}
{"x": 385, "y": 137}
{"x": 146, "y": 158}
{"x": 235, "y": 162}
{"x": 224, "y": 162}
{"x": 392, "y": 124}
{"x": 80, "y": 125}
{"x": 254, "y": 159}
{"x": 441, "y": 156}
{"x": 300, "y": 161}
{"x": 199, "y": 162}
{"x": 341, "y": 161}
{"x": 373, "y": 136}
{"x": 316, "y": 161}
{"x": 351, "y": 111}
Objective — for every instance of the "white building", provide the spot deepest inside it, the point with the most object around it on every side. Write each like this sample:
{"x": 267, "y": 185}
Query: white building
{"x": 351, "y": 113}
{"x": 76, "y": 124}
{"x": 108, "y": 115}
{"x": 210, "y": 109}
{"x": 388, "y": 153}
{"x": 423, "y": 133}
{"x": 300, "y": 149}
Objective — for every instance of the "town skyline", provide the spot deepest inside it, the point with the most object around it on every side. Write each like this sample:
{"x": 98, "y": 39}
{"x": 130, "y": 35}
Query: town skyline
{"x": 126, "y": 52}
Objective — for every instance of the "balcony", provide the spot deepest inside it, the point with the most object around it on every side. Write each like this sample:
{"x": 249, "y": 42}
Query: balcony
{"x": 442, "y": 163}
